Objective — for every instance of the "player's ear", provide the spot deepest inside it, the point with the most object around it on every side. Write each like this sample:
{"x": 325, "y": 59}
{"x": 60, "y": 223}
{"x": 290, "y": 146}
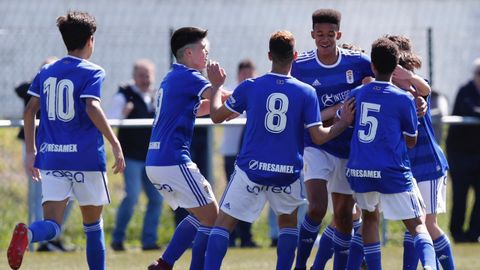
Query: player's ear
{"x": 312, "y": 34}
{"x": 270, "y": 56}
{"x": 339, "y": 35}
{"x": 295, "y": 55}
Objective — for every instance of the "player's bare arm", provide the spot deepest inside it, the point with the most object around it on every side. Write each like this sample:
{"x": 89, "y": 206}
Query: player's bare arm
{"x": 216, "y": 75}
{"x": 408, "y": 79}
{"x": 29, "y": 126}
{"x": 321, "y": 135}
{"x": 98, "y": 118}
{"x": 411, "y": 140}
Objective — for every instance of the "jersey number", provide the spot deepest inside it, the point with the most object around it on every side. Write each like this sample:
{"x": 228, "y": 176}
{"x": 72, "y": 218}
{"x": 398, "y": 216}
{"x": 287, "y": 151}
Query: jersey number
{"x": 159, "y": 105}
{"x": 59, "y": 99}
{"x": 276, "y": 118}
{"x": 371, "y": 121}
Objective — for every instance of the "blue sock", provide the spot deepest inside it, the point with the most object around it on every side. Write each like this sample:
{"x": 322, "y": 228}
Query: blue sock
{"x": 95, "y": 245}
{"x": 355, "y": 257}
{"x": 443, "y": 251}
{"x": 216, "y": 248}
{"x": 306, "y": 238}
{"x": 44, "y": 230}
{"x": 287, "y": 243}
{"x": 373, "y": 256}
{"x": 325, "y": 249}
{"x": 199, "y": 248}
{"x": 341, "y": 245}
{"x": 182, "y": 238}
{"x": 410, "y": 256}
{"x": 356, "y": 225}
{"x": 424, "y": 247}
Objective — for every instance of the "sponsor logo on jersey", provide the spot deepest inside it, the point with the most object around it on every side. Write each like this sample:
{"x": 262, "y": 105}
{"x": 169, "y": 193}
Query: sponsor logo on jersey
{"x": 269, "y": 167}
{"x": 78, "y": 177}
{"x": 207, "y": 190}
{"x": 154, "y": 145}
{"x": 279, "y": 81}
{"x": 165, "y": 187}
{"x": 349, "y": 76}
{"x": 58, "y": 148}
{"x": 332, "y": 99}
{"x": 316, "y": 83}
{"x": 364, "y": 173}
{"x": 256, "y": 189}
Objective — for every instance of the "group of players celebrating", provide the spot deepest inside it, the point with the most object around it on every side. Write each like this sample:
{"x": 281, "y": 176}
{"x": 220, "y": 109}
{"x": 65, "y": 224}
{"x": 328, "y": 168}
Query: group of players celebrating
{"x": 350, "y": 122}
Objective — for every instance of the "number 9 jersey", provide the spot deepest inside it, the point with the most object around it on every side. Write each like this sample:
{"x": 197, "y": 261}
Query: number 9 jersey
{"x": 278, "y": 109}
{"x": 67, "y": 139}
{"x": 378, "y": 152}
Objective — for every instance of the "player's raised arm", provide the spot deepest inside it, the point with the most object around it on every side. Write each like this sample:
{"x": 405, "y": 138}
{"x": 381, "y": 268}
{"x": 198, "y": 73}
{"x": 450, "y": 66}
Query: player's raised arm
{"x": 321, "y": 134}
{"x": 29, "y": 128}
{"x": 98, "y": 118}
{"x": 216, "y": 75}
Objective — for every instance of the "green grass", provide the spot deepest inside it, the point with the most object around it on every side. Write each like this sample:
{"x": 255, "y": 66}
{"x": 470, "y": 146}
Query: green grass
{"x": 13, "y": 209}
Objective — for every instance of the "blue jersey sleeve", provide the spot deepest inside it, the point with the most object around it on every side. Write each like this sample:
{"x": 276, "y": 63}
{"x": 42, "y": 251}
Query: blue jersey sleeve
{"x": 311, "y": 110}
{"x": 409, "y": 117}
{"x": 93, "y": 86}
{"x": 34, "y": 89}
{"x": 200, "y": 83}
{"x": 237, "y": 102}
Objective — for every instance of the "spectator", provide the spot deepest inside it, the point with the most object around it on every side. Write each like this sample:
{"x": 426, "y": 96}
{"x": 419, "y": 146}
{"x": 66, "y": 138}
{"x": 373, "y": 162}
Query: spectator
{"x": 463, "y": 150}
{"x": 135, "y": 100}
{"x": 35, "y": 212}
{"x": 232, "y": 138}
{"x": 438, "y": 109}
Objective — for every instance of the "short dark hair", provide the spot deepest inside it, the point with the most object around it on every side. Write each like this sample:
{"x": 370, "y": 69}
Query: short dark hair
{"x": 282, "y": 47}
{"x": 352, "y": 47}
{"x": 185, "y": 36}
{"x": 247, "y": 63}
{"x": 384, "y": 55}
{"x": 76, "y": 28}
{"x": 326, "y": 16}
{"x": 403, "y": 42}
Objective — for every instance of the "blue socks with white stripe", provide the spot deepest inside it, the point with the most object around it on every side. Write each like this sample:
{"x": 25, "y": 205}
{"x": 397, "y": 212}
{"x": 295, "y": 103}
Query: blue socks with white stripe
{"x": 341, "y": 245}
{"x": 307, "y": 235}
{"x": 216, "y": 248}
{"x": 410, "y": 256}
{"x": 199, "y": 248}
{"x": 44, "y": 230}
{"x": 287, "y": 242}
{"x": 182, "y": 238}
{"x": 355, "y": 257}
{"x": 443, "y": 251}
{"x": 325, "y": 249}
{"x": 95, "y": 245}
{"x": 373, "y": 257}
{"x": 424, "y": 248}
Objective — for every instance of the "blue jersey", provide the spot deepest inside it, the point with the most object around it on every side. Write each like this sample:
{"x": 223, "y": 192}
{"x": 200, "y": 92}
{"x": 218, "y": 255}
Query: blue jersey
{"x": 378, "y": 158}
{"x": 427, "y": 158}
{"x": 178, "y": 100}
{"x": 67, "y": 139}
{"x": 333, "y": 84}
{"x": 278, "y": 109}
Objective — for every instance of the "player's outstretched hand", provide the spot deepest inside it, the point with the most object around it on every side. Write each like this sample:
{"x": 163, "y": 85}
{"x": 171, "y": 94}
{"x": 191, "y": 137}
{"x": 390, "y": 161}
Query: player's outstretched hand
{"x": 29, "y": 165}
{"x": 119, "y": 165}
{"x": 422, "y": 106}
{"x": 216, "y": 74}
{"x": 400, "y": 73}
{"x": 348, "y": 111}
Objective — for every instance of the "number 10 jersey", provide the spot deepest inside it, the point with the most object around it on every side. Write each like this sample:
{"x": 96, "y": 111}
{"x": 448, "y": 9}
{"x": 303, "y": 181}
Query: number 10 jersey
{"x": 67, "y": 139}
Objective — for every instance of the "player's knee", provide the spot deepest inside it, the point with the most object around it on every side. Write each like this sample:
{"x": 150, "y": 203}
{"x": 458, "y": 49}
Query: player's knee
{"x": 317, "y": 211}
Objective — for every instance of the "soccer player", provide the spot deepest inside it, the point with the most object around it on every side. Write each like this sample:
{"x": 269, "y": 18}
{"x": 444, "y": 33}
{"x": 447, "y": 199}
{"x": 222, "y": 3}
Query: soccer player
{"x": 429, "y": 165}
{"x": 71, "y": 159}
{"x": 279, "y": 108}
{"x": 333, "y": 72}
{"x": 378, "y": 168}
{"x": 169, "y": 165}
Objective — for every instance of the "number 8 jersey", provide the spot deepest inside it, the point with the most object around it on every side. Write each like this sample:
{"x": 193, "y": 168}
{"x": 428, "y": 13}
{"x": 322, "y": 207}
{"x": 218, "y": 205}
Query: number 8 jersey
{"x": 378, "y": 153}
{"x": 67, "y": 139}
{"x": 278, "y": 109}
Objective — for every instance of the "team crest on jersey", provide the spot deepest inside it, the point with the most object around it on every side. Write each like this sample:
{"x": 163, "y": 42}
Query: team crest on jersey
{"x": 349, "y": 76}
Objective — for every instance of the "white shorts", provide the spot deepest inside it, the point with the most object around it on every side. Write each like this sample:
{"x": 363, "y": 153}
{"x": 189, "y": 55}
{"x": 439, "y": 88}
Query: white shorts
{"x": 434, "y": 194}
{"x": 397, "y": 206}
{"x": 244, "y": 199}
{"x": 321, "y": 165}
{"x": 88, "y": 187}
{"x": 181, "y": 185}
